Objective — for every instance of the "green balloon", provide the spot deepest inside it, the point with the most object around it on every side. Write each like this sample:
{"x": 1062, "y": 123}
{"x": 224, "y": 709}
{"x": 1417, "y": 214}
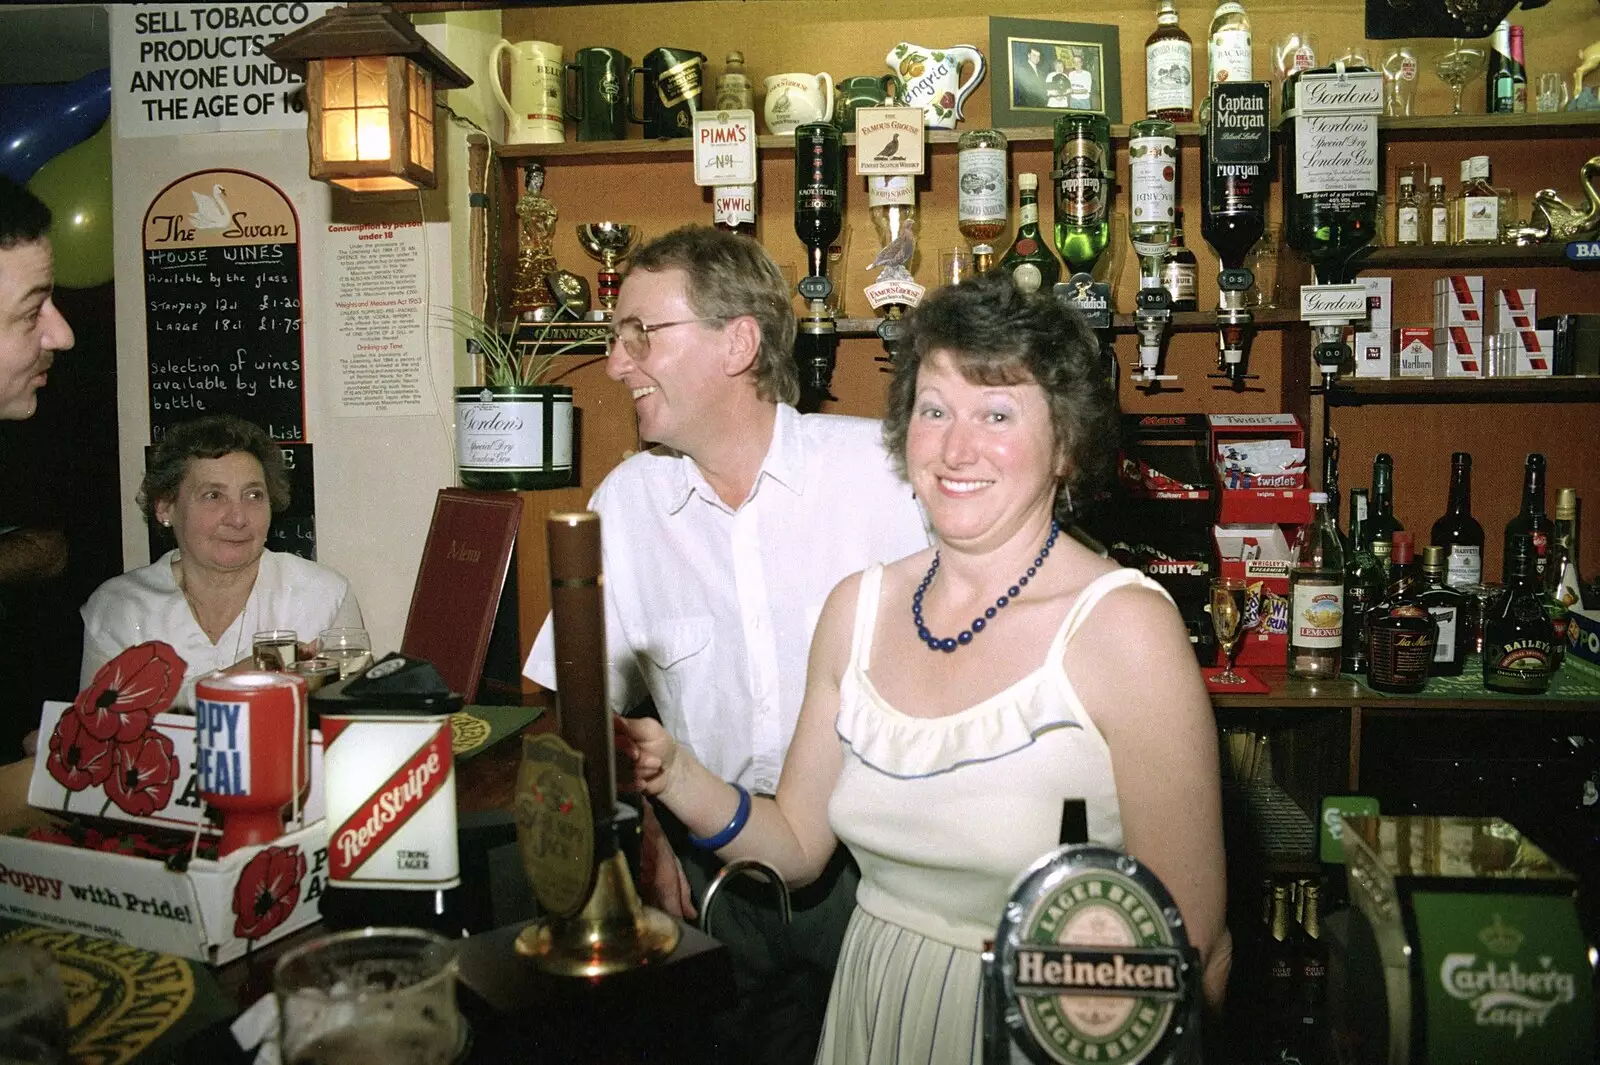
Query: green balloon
{"x": 76, "y": 186}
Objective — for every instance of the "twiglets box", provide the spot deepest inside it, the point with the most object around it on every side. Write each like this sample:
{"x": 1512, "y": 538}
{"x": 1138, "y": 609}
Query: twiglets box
{"x": 140, "y": 769}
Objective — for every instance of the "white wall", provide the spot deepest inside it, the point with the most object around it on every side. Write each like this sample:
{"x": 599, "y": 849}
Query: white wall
{"x": 376, "y": 477}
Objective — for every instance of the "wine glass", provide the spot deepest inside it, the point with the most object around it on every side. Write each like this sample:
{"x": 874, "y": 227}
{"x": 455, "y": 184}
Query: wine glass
{"x": 1227, "y": 621}
{"x": 1463, "y": 63}
{"x": 351, "y": 648}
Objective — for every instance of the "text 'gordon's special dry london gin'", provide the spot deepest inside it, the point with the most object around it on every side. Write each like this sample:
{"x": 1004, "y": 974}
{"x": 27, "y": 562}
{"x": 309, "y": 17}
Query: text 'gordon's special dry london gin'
{"x": 981, "y": 192}
{"x": 1082, "y": 177}
{"x": 1517, "y": 635}
{"x": 1153, "y": 167}
{"x": 1031, "y": 264}
{"x": 1330, "y": 165}
{"x": 1233, "y": 190}
{"x": 1169, "y": 68}
{"x": 1316, "y": 596}
{"x": 1457, "y": 531}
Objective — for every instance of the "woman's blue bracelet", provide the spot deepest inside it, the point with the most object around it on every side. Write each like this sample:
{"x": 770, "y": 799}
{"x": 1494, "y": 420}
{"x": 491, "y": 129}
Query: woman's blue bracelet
{"x": 740, "y": 815}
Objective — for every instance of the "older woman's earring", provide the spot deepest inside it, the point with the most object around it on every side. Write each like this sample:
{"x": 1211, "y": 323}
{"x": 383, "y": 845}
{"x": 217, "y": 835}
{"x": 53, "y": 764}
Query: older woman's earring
{"x": 1066, "y": 490}
{"x": 166, "y": 523}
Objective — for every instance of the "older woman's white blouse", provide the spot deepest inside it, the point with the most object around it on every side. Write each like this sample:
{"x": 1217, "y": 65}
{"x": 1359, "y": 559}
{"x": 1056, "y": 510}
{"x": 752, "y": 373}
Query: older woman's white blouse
{"x": 146, "y": 604}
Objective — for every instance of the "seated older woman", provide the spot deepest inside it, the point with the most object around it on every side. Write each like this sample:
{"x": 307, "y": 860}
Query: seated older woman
{"x": 214, "y": 483}
{"x": 955, "y": 698}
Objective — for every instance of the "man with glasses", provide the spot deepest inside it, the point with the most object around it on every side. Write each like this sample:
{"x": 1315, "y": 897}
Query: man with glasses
{"x": 719, "y": 546}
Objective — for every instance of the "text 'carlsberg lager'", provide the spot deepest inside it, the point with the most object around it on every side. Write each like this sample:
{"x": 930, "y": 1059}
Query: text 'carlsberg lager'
{"x": 391, "y": 788}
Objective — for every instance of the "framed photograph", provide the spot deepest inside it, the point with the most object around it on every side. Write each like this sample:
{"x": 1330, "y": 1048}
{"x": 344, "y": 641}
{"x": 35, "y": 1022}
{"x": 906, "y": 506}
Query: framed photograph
{"x": 1043, "y": 68}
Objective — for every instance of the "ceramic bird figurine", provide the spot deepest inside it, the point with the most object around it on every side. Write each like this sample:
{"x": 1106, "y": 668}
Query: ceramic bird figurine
{"x": 1554, "y": 219}
{"x": 896, "y": 254}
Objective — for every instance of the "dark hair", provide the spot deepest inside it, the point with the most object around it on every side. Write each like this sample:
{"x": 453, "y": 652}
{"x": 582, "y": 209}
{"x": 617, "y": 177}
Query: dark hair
{"x": 996, "y": 335}
{"x": 210, "y": 437}
{"x": 730, "y": 276}
{"x": 23, "y": 216}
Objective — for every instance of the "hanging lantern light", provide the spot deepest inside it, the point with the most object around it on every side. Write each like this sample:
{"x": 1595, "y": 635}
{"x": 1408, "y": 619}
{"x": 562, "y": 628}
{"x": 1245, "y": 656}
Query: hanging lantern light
{"x": 370, "y": 78}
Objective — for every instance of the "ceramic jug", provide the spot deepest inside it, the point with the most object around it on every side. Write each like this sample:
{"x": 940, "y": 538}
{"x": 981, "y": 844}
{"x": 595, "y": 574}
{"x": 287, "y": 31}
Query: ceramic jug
{"x": 533, "y": 113}
{"x": 795, "y": 99}
{"x": 932, "y": 78}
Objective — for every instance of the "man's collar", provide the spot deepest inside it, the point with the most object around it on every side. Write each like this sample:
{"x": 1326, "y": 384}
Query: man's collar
{"x": 785, "y": 463}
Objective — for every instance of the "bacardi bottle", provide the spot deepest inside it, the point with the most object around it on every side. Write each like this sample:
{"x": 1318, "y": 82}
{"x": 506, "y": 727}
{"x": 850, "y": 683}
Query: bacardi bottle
{"x": 981, "y": 192}
{"x": 1448, "y": 610}
{"x": 1230, "y": 44}
{"x": 1518, "y": 638}
{"x": 1531, "y": 521}
{"x": 1400, "y": 631}
{"x": 1180, "y": 270}
{"x": 1152, "y": 165}
{"x": 1364, "y": 581}
{"x": 1381, "y": 522}
{"x": 1169, "y": 68}
{"x": 1031, "y": 264}
{"x": 1457, "y": 531}
{"x": 1082, "y": 177}
{"x": 1316, "y": 596}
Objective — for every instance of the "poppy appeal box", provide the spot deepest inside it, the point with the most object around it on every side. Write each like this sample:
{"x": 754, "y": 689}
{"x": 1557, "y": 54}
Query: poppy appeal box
{"x": 117, "y": 882}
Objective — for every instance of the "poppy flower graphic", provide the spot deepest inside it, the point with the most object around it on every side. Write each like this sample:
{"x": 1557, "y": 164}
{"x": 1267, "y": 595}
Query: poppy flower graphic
{"x": 268, "y": 891}
{"x": 130, "y": 689}
{"x": 77, "y": 759}
{"x": 142, "y": 774}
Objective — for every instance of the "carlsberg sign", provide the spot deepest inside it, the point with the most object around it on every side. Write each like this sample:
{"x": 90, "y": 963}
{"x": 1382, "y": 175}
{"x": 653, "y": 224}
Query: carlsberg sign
{"x": 1507, "y": 978}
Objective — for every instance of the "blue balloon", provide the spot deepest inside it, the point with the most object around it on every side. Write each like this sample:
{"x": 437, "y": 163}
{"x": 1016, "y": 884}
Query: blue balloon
{"x": 39, "y": 122}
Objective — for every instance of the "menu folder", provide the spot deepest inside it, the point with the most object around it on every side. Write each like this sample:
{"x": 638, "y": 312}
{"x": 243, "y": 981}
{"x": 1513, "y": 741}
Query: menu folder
{"x": 459, "y": 583}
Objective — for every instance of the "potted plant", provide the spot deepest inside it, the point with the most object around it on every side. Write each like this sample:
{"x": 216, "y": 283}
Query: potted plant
{"x": 514, "y": 431}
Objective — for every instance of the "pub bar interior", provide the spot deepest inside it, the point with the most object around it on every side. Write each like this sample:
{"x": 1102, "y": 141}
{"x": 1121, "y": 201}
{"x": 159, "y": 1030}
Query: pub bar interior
{"x": 346, "y": 333}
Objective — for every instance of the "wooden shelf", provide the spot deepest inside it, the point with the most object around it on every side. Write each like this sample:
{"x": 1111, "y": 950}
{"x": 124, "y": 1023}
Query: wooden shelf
{"x": 1182, "y": 322}
{"x": 1466, "y": 256}
{"x": 1416, "y": 127}
{"x": 1292, "y": 693}
{"x": 1351, "y": 392}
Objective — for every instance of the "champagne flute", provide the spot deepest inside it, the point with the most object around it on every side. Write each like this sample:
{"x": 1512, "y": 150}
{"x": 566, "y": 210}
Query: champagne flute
{"x": 1227, "y": 621}
{"x": 1464, "y": 62}
{"x": 351, "y": 648}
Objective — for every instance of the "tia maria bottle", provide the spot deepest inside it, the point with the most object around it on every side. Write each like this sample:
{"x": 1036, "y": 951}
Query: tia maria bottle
{"x": 1400, "y": 631}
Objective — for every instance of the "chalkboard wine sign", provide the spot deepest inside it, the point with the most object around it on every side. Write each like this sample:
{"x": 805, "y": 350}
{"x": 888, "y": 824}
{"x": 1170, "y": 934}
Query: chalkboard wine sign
{"x": 222, "y": 304}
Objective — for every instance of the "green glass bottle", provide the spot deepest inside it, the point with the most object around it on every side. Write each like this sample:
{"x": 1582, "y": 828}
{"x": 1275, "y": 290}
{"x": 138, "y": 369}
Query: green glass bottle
{"x": 1031, "y": 264}
{"x": 1083, "y": 188}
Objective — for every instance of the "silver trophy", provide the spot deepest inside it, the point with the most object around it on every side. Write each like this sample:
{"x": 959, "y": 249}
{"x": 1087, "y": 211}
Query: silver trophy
{"x": 608, "y": 243}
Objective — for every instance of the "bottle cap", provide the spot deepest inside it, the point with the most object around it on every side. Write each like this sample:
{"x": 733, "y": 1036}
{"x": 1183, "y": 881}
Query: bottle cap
{"x": 1439, "y": 181}
{"x": 1402, "y": 547}
{"x": 1567, "y": 503}
{"x": 1027, "y": 181}
{"x": 1407, "y": 179}
{"x": 1466, "y": 169}
{"x": 1318, "y": 497}
{"x": 1434, "y": 559}
{"x": 735, "y": 59}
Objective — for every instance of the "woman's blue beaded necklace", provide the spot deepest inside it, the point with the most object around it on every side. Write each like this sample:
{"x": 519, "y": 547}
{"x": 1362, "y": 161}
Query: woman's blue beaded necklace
{"x": 964, "y": 637}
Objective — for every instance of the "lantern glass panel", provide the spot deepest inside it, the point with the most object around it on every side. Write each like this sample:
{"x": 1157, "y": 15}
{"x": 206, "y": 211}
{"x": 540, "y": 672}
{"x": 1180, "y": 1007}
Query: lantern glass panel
{"x": 338, "y": 83}
{"x": 339, "y": 136}
{"x": 372, "y": 134}
{"x": 372, "y": 81}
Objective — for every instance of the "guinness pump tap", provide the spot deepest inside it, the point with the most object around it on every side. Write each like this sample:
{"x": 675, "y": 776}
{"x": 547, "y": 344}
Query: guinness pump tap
{"x": 1237, "y": 147}
{"x": 1152, "y": 163}
{"x": 818, "y": 216}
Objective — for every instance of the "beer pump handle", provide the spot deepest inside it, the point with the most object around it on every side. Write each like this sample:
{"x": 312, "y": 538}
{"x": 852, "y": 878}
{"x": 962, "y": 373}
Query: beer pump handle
{"x": 577, "y": 618}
